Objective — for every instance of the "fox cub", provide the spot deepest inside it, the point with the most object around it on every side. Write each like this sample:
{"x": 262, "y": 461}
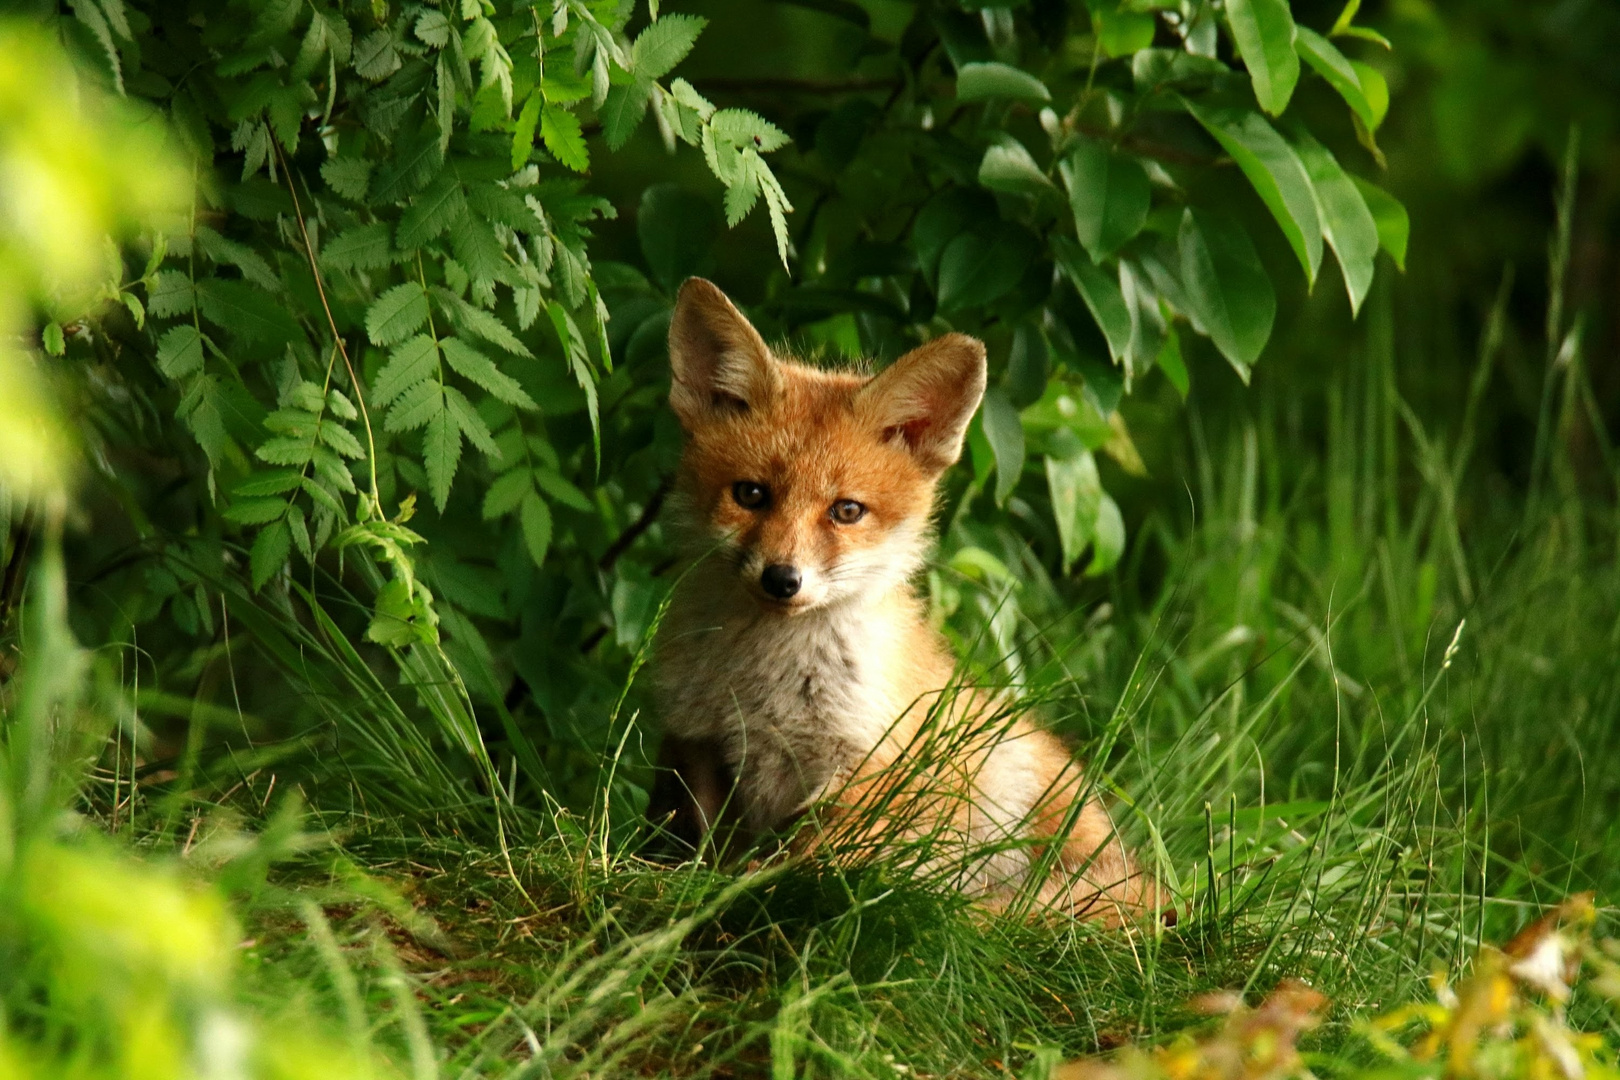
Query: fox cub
{"x": 796, "y": 666}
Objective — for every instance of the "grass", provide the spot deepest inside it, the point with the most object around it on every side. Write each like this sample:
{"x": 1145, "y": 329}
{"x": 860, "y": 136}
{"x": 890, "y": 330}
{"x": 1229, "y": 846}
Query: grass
{"x": 1358, "y": 715}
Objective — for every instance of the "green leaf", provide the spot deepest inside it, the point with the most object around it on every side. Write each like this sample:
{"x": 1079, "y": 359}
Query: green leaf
{"x": 481, "y": 324}
{"x": 1005, "y": 432}
{"x": 506, "y": 492}
{"x": 1376, "y": 89}
{"x": 1331, "y": 64}
{"x": 442, "y": 206}
{"x": 472, "y": 364}
{"x": 1171, "y": 363}
{"x": 560, "y": 131}
{"x": 397, "y": 314}
{"x": 664, "y": 44}
{"x": 399, "y": 617}
{"x": 246, "y": 312}
{"x": 255, "y": 511}
{"x": 1101, "y": 293}
{"x": 1347, "y": 224}
{"x": 348, "y": 176}
{"x": 523, "y": 132}
{"x": 341, "y": 439}
{"x": 286, "y": 451}
{"x": 276, "y": 482}
{"x": 1276, "y": 173}
{"x": 1108, "y": 540}
{"x": 536, "y": 522}
{"x": 412, "y": 361}
{"x": 364, "y": 247}
{"x": 983, "y": 264}
{"x": 553, "y": 483}
{"x": 1076, "y": 492}
{"x": 1007, "y": 166}
{"x": 471, "y": 424}
{"x": 1394, "y": 226}
{"x": 180, "y": 352}
{"x": 1263, "y": 31}
{"x": 992, "y": 79}
{"x": 170, "y": 293}
{"x": 1121, "y": 31}
{"x": 623, "y": 111}
{"x": 269, "y": 554}
{"x": 1109, "y": 193}
{"x": 1227, "y": 287}
{"x": 441, "y": 453}
{"x": 375, "y": 57}
{"x": 417, "y": 406}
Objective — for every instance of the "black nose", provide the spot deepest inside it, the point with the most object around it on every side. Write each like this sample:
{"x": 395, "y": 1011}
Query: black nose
{"x": 780, "y": 580}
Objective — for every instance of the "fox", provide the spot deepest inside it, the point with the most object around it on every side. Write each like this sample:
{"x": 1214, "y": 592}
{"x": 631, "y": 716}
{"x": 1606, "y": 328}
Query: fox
{"x": 795, "y": 666}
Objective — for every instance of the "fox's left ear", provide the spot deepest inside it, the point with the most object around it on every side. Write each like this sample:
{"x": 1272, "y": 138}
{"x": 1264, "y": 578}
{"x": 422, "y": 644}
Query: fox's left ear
{"x": 927, "y": 397}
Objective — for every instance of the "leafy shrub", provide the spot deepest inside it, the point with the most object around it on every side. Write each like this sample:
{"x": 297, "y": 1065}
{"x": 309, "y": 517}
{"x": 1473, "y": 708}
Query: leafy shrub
{"x": 399, "y": 279}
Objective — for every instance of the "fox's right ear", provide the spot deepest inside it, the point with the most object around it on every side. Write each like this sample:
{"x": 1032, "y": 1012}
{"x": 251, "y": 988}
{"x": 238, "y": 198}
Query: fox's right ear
{"x": 718, "y": 361}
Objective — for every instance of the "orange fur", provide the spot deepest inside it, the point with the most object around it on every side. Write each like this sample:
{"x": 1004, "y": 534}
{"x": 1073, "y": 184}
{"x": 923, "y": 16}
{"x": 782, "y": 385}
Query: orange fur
{"x": 835, "y": 694}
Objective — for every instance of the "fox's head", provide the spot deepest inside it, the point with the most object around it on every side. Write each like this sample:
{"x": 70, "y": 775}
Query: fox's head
{"x": 816, "y": 485}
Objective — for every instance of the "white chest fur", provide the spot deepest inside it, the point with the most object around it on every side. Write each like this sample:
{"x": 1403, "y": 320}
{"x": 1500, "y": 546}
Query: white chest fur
{"x": 795, "y": 703}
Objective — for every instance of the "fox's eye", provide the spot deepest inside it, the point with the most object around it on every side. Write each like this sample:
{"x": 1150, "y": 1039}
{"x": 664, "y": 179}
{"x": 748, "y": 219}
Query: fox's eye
{"x": 847, "y": 511}
{"x": 749, "y": 495}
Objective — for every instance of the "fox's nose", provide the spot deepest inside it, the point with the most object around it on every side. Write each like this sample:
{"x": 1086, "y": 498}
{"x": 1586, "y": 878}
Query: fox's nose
{"x": 780, "y": 580}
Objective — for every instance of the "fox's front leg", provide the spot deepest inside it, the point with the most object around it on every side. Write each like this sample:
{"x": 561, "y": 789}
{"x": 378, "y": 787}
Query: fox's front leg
{"x": 692, "y": 789}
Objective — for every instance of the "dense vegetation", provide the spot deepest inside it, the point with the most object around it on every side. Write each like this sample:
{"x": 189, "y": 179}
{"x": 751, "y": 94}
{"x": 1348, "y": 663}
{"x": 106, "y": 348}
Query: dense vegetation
{"x": 333, "y": 450}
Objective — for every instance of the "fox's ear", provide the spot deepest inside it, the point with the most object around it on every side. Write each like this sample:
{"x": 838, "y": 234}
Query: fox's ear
{"x": 718, "y": 361}
{"x": 927, "y": 397}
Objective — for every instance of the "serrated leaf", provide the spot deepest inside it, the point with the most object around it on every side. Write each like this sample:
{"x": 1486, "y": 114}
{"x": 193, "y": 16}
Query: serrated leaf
{"x": 1263, "y": 31}
{"x": 664, "y": 44}
{"x": 1394, "y": 226}
{"x": 1102, "y": 295}
{"x": 180, "y": 352}
{"x": 397, "y": 314}
{"x": 506, "y": 492}
{"x": 269, "y": 554}
{"x": 482, "y": 324}
{"x": 1347, "y": 224}
{"x": 433, "y": 28}
{"x": 742, "y": 191}
{"x": 441, "y": 206}
{"x": 255, "y": 511}
{"x": 417, "y": 406}
{"x": 471, "y": 424}
{"x": 286, "y": 451}
{"x": 1275, "y": 172}
{"x": 414, "y": 163}
{"x": 277, "y": 482}
{"x": 245, "y": 311}
{"x": 535, "y": 519}
{"x": 410, "y": 362}
{"x": 1109, "y": 194}
{"x": 364, "y": 247}
{"x": 1325, "y": 58}
{"x": 441, "y": 454}
{"x": 523, "y": 133}
{"x": 623, "y": 111}
{"x": 170, "y": 293}
{"x": 560, "y": 131}
{"x": 992, "y": 79}
{"x": 1227, "y": 287}
{"x": 341, "y": 439}
{"x": 554, "y": 484}
{"x": 1004, "y": 430}
{"x": 348, "y": 176}
{"x": 375, "y": 57}
{"x": 741, "y": 128}
{"x": 472, "y": 364}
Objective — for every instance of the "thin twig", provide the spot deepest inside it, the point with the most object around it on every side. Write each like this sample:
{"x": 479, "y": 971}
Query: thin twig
{"x": 649, "y": 514}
